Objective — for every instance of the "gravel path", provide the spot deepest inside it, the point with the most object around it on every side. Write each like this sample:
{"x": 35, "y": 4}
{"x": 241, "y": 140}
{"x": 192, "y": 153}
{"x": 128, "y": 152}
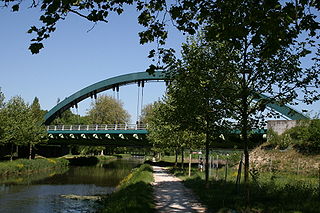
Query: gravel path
{"x": 171, "y": 195}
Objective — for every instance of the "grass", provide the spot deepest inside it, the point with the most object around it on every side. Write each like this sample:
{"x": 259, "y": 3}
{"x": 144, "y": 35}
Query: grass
{"x": 30, "y": 178}
{"x": 25, "y": 166}
{"x": 86, "y": 160}
{"x": 134, "y": 194}
{"x": 276, "y": 192}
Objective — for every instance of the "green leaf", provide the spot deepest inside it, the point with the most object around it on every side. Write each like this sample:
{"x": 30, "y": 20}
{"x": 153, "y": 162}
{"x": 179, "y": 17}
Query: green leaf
{"x": 15, "y": 8}
{"x": 35, "y": 47}
{"x": 152, "y": 68}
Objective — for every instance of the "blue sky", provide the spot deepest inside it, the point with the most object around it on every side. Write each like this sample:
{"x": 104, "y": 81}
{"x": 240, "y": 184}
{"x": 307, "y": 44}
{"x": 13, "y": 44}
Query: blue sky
{"x": 74, "y": 58}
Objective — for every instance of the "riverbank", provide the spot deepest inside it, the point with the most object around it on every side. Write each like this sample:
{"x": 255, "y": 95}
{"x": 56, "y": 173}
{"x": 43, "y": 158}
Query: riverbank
{"x": 25, "y": 166}
{"x": 14, "y": 170}
{"x": 74, "y": 190}
{"x": 134, "y": 193}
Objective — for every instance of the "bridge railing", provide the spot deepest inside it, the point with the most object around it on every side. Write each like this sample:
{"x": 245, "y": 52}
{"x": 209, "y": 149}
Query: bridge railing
{"x": 97, "y": 127}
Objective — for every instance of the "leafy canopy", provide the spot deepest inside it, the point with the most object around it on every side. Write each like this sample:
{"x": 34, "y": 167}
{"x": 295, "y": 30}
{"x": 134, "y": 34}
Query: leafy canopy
{"x": 20, "y": 125}
{"x": 107, "y": 110}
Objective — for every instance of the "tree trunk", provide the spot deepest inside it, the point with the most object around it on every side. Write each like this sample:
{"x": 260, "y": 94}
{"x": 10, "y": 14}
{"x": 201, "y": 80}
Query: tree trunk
{"x": 226, "y": 171}
{"x": 30, "y": 151}
{"x": 207, "y": 159}
{"x": 244, "y": 132}
{"x": 11, "y": 154}
{"x": 176, "y": 161}
{"x": 190, "y": 164}
{"x": 245, "y": 121}
{"x": 239, "y": 175}
{"x": 182, "y": 158}
{"x": 70, "y": 150}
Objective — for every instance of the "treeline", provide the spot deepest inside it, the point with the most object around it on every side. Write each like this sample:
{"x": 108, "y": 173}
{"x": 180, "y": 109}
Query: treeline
{"x": 21, "y": 124}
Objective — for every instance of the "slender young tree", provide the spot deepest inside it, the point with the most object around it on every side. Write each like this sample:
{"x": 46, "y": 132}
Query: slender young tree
{"x": 164, "y": 132}
{"x": 239, "y": 75}
{"x": 197, "y": 90}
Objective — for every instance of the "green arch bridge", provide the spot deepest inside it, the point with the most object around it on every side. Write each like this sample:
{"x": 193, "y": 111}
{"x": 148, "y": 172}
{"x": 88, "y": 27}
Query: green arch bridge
{"x": 111, "y": 133}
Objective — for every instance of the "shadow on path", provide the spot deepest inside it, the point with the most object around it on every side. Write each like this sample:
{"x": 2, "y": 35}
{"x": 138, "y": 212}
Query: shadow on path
{"x": 171, "y": 195}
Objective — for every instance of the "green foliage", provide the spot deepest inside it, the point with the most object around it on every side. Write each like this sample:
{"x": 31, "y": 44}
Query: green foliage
{"x": 271, "y": 25}
{"x": 2, "y": 103}
{"x": 280, "y": 141}
{"x": 146, "y": 113}
{"x": 165, "y": 132}
{"x": 266, "y": 196}
{"x": 2, "y": 97}
{"x": 201, "y": 80}
{"x": 68, "y": 118}
{"x": 20, "y": 125}
{"x": 30, "y": 178}
{"x": 24, "y": 166}
{"x": 107, "y": 110}
{"x": 305, "y": 136}
{"x": 134, "y": 193}
{"x": 36, "y": 111}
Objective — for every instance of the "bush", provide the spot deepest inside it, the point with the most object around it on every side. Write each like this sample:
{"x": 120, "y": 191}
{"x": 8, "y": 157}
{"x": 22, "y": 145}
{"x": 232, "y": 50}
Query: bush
{"x": 305, "y": 136}
{"x": 282, "y": 141}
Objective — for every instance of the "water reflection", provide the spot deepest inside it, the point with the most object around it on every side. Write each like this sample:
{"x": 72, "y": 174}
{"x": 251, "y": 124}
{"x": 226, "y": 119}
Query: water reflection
{"x": 46, "y": 195}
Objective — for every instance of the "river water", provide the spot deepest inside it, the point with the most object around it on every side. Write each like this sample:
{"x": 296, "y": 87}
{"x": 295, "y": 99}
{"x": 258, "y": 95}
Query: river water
{"x": 52, "y": 194}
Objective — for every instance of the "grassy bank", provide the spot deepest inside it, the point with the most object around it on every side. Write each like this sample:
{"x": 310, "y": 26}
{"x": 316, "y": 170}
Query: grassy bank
{"x": 134, "y": 194}
{"x": 29, "y": 178}
{"x": 25, "y": 166}
{"x": 87, "y": 160}
{"x": 280, "y": 192}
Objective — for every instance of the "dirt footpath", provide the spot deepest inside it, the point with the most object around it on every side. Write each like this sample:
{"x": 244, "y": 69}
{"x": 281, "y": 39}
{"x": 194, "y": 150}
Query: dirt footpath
{"x": 171, "y": 195}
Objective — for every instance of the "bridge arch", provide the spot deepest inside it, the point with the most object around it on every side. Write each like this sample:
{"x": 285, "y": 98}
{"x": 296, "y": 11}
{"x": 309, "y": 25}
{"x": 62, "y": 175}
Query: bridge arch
{"x": 94, "y": 89}
{"x": 115, "y": 82}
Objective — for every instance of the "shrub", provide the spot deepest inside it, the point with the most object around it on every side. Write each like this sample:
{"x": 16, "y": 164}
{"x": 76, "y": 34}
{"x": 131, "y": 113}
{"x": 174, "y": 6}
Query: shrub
{"x": 305, "y": 136}
{"x": 281, "y": 141}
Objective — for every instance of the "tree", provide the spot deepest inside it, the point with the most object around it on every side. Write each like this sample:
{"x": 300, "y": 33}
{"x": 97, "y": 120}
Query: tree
{"x": 2, "y": 97}
{"x": 107, "y": 110}
{"x": 2, "y": 104}
{"x": 20, "y": 125}
{"x": 198, "y": 89}
{"x": 146, "y": 113}
{"x": 248, "y": 72}
{"x": 166, "y": 133}
{"x": 264, "y": 34}
{"x": 36, "y": 111}
{"x": 69, "y": 118}
{"x": 275, "y": 23}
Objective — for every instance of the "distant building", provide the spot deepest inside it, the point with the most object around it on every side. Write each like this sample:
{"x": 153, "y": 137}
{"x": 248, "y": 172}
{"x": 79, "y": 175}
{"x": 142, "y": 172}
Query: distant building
{"x": 280, "y": 126}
